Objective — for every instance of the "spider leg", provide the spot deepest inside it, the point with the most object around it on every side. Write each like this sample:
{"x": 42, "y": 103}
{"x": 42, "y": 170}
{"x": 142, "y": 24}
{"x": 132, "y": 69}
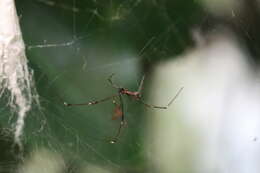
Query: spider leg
{"x": 111, "y": 81}
{"x": 162, "y": 107}
{"x": 119, "y": 132}
{"x": 153, "y": 106}
{"x": 140, "y": 88}
{"x": 122, "y": 122}
{"x": 89, "y": 103}
{"x": 174, "y": 98}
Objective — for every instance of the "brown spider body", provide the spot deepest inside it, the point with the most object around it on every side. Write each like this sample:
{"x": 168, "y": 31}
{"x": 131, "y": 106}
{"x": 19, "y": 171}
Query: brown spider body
{"x": 134, "y": 94}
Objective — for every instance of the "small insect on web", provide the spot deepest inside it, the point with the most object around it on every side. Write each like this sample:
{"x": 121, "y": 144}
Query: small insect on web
{"x": 119, "y": 107}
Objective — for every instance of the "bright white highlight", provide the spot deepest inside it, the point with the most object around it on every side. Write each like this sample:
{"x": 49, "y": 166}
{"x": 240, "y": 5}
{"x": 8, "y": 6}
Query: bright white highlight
{"x": 214, "y": 124}
{"x": 15, "y": 77}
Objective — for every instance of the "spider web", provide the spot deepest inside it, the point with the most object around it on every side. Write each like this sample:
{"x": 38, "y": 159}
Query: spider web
{"x": 73, "y": 46}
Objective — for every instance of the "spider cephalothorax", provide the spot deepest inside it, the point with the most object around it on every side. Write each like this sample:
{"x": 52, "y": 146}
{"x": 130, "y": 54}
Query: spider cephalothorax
{"x": 134, "y": 94}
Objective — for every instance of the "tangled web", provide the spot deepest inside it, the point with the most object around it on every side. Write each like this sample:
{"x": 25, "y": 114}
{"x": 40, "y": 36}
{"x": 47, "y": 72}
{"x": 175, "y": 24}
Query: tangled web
{"x": 73, "y": 46}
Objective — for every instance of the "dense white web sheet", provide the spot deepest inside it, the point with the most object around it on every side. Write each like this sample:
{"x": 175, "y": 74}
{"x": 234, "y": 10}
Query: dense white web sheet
{"x": 16, "y": 77}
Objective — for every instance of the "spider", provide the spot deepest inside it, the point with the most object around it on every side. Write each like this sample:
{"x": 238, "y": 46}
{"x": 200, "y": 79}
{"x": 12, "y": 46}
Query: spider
{"x": 119, "y": 108}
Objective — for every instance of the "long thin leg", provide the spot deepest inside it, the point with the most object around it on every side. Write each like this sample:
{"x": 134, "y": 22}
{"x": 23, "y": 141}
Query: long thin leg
{"x": 90, "y": 103}
{"x": 111, "y": 81}
{"x": 163, "y": 107}
{"x": 119, "y": 131}
{"x": 122, "y": 123}
{"x": 140, "y": 88}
